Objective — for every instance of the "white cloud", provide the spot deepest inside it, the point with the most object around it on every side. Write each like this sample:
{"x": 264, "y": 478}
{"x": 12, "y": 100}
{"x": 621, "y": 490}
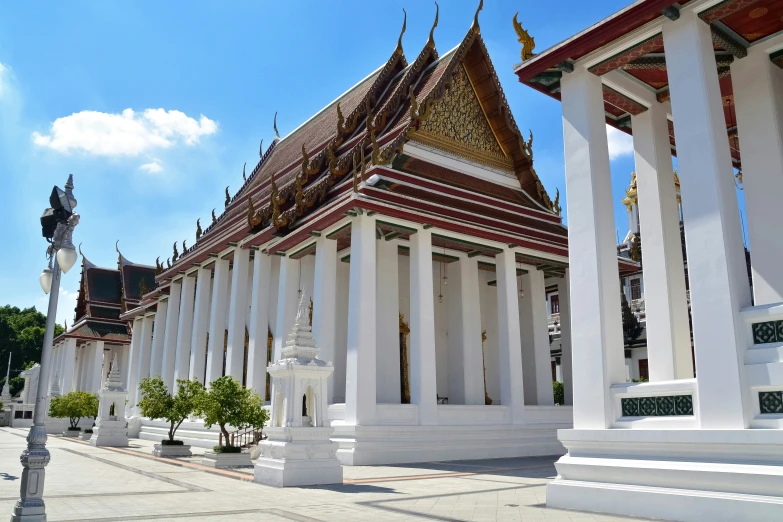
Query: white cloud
{"x": 2, "y": 75}
{"x": 153, "y": 167}
{"x": 126, "y": 134}
{"x": 620, "y": 143}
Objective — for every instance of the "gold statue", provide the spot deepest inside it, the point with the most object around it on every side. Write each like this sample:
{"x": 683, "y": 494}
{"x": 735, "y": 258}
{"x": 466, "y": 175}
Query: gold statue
{"x": 527, "y": 41}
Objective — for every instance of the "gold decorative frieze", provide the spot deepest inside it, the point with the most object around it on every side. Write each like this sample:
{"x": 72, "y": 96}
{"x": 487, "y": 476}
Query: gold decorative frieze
{"x": 458, "y": 125}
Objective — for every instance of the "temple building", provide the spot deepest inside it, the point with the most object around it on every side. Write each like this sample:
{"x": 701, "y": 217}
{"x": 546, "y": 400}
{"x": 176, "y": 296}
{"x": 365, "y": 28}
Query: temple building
{"x": 82, "y": 354}
{"x": 410, "y": 211}
{"x": 700, "y": 79}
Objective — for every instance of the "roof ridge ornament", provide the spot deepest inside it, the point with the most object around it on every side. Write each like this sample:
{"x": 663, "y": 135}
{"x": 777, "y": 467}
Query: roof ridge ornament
{"x": 198, "y": 229}
{"x": 527, "y": 41}
{"x": 175, "y": 256}
{"x": 398, "y": 50}
{"x": 261, "y": 149}
{"x": 214, "y": 218}
{"x": 158, "y": 266}
{"x": 244, "y": 176}
{"x": 340, "y": 119}
{"x": 274, "y": 124}
{"x": 431, "y": 39}
{"x": 475, "y": 26}
{"x": 228, "y": 198}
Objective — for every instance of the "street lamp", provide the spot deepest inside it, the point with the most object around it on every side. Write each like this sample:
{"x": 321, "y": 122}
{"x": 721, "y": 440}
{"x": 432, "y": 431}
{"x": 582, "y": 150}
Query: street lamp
{"x": 57, "y": 225}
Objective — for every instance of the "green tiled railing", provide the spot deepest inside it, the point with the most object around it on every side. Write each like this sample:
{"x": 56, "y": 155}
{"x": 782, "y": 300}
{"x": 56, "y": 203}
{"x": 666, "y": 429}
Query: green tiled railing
{"x": 667, "y": 405}
{"x": 768, "y": 332}
{"x": 771, "y": 401}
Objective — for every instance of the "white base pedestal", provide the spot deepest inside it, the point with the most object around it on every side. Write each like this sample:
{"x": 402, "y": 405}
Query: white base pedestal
{"x": 682, "y": 475}
{"x": 226, "y": 460}
{"x": 110, "y": 433}
{"x": 169, "y": 450}
{"x": 85, "y": 435}
{"x": 71, "y": 433}
{"x": 298, "y": 457}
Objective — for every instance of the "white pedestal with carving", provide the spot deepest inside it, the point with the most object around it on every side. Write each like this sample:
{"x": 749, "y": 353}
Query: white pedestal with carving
{"x": 298, "y": 451}
{"x": 111, "y": 429}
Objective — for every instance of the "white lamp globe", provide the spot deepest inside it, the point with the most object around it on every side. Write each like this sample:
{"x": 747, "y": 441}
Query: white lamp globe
{"x": 66, "y": 257}
{"x": 46, "y": 280}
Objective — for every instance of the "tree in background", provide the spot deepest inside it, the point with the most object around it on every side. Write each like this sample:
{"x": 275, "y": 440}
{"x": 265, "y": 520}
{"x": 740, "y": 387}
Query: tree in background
{"x": 632, "y": 328}
{"x": 73, "y": 406}
{"x": 157, "y": 403}
{"x": 227, "y": 402}
{"x": 21, "y": 334}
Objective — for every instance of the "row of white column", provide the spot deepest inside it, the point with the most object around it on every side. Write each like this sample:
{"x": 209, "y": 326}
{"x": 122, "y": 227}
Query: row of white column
{"x": 81, "y": 368}
{"x": 716, "y": 261}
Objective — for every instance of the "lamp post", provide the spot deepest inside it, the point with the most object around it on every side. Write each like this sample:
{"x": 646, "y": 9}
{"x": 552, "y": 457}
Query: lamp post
{"x": 57, "y": 223}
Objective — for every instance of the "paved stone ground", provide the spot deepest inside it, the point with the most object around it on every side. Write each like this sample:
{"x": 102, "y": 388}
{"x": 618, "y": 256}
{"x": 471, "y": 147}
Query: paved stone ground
{"x": 84, "y": 483}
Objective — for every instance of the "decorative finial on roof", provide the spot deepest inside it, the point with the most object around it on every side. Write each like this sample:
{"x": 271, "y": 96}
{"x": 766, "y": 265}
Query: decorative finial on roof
{"x": 168, "y": 262}
{"x": 398, "y": 50}
{"x": 65, "y": 322}
{"x": 556, "y": 205}
{"x": 119, "y": 254}
{"x": 414, "y": 104}
{"x": 475, "y": 25}
{"x": 244, "y": 177}
{"x": 214, "y": 218}
{"x": 158, "y": 266}
{"x": 228, "y": 198}
{"x": 198, "y": 229}
{"x": 274, "y": 124}
{"x": 175, "y": 256}
{"x": 184, "y": 247}
{"x": 261, "y": 149}
{"x": 527, "y": 146}
{"x": 340, "y": 119}
{"x": 527, "y": 41}
{"x": 251, "y": 213}
{"x": 431, "y": 39}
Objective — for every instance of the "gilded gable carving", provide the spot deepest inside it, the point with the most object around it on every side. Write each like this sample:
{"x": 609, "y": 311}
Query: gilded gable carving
{"x": 458, "y": 125}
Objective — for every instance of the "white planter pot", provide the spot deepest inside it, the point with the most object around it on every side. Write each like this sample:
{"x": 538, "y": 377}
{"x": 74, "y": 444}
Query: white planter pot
{"x": 226, "y": 460}
{"x": 165, "y": 450}
{"x": 71, "y": 433}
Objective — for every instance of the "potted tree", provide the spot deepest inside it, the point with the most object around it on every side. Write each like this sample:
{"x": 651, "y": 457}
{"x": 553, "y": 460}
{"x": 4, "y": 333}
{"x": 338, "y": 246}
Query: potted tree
{"x": 73, "y": 406}
{"x": 89, "y": 404}
{"x": 157, "y": 403}
{"x": 228, "y": 403}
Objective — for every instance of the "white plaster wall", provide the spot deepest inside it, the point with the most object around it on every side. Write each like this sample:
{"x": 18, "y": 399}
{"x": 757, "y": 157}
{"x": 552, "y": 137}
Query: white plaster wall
{"x": 489, "y": 323}
{"x": 341, "y": 329}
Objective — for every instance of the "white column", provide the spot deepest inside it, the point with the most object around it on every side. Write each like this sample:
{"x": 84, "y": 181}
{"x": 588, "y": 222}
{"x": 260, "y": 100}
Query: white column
{"x": 325, "y": 303}
{"x": 509, "y": 339}
{"x": 361, "y": 352}
{"x": 198, "y": 347}
{"x": 536, "y": 358}
{"x": 69, "y": 360}
{"x": 217, "y": 321}
{"x": 145, "y": 349}
{"x": 387, "y": 366}
{"x": 423, "y": 383}
{"x": 84, "y": 363}
{"x": 287, "y": 297}
{"x": 668, "y": 331}
{"x": 466, "y": 370}
{"x": 595, "y": 288}
{"x": 95, "y": 375}
{"x": 563, "y": 293}
{"x": 758, "y": 97}
{"x": 170, "y": 336}
{"x": 237, "y": 313}
{"x": 716, "y": 259}
{"x": 158, "y": 336}
{"x": 259, "y": 323}
{"x": 124, "y": 362}
{"x": 132, "y": 370}
{"x": 184, "y": 328}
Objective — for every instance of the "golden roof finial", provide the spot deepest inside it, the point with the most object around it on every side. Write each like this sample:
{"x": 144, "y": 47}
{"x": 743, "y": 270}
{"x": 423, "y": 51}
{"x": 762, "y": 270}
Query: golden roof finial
{"x": 274, "y": 124}
{"x": 431, "y": 39}
{"x": 198, "y": 229}
{"x": 175, "y": 255}
{"x": 475, "y": 25}
{"x": 158, "y": 266}
{"x": 527, "y": 41}
{"x": 184, "y": 247}
{"x": 214, "y": 217}
{"x": 168, "y": 262}
{"x": 398, "y": 50}
{"x": 228, "y": 198}
{"x": 556, "y": 205}
{"x": 119, "y": 254}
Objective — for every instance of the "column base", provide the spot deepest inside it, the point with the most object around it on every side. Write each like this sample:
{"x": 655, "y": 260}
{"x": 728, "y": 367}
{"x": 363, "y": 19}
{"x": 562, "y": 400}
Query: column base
{"x": 682, "y": 475}
{"x": 110, "y": 433}
{"x": 298, "y": 457}
{"x": 29, "y": 513}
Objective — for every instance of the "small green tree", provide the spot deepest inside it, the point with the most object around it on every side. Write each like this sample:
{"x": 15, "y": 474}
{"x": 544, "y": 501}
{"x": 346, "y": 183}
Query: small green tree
{"x": 227, "y": 402}
{"x": 157, "y": 403}
{"x": 73, "y": 406}
{"x": 558, "y": 392}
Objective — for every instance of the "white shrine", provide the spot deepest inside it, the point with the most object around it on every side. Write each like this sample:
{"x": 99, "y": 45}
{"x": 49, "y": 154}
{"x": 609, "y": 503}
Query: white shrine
{"x": 110, "y": 427}
{"x": 299, "y": 451}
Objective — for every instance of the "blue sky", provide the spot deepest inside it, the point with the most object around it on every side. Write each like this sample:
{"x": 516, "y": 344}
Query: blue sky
{"x": 155, "y": 106}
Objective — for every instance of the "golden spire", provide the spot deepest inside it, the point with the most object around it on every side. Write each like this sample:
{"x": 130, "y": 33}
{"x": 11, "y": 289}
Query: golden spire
{"x": 475, "y": 25}
{"x": 527, "y": 41}
{"x": 431, "y": 39}
{"x": 398, "y": 50}
{"x": 198, "y": 229}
